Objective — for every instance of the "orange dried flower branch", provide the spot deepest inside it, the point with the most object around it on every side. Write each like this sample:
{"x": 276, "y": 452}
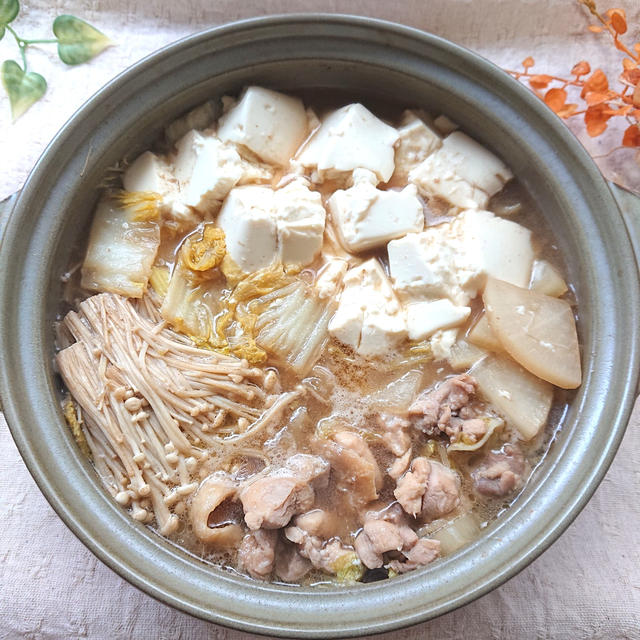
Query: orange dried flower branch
{"x": 601, "y": 101}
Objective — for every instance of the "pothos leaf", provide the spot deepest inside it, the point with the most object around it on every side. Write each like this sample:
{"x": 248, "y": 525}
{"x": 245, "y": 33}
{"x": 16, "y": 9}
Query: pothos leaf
{"x": 78, "y": 41}
{"x": 23, "y": 88}
{"x": 2, "y": 30}
{"x": 8, "y": 12}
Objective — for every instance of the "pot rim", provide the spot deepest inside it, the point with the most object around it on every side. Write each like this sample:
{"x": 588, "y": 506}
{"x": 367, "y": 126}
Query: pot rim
{"x": 148, "y": 582}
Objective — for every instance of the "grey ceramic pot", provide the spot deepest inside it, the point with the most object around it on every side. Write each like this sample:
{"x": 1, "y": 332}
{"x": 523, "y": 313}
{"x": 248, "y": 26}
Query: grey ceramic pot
{"x": 380, "y": 60}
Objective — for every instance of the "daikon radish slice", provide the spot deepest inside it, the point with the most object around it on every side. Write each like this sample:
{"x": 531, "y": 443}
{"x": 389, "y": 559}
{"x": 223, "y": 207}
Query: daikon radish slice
{"x": 482, "y": 336}
{"x": 546, "y": 279}
{"x": 520, "y": 397}
{"x": 538, "y": 331}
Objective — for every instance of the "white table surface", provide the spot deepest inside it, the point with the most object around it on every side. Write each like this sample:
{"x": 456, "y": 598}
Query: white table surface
{"x": 587, "y": 585}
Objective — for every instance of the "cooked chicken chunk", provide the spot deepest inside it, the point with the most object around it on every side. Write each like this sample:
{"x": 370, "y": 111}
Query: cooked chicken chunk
{"x": 428, "y": 490}
{"x": 270, "y": 501}
{"x": 318, "y": 522}
{"x": 432, "y": 412}
{"x": 257, "y": 553}
{"x": 395, "y": 436}
{"x": 387, "y": 531}
{"x": 470, "y": 431}
{"x": 380, "y": 536}
{"x": 291, "y": 566}
{"x": 501, "y": 472}
{"x": 397, "y": 440}
{"x": 323, "y": 554}
{"x": 400, "y": 465}
{"x": 423, "y": 552}
{"x": 354, "y": 466}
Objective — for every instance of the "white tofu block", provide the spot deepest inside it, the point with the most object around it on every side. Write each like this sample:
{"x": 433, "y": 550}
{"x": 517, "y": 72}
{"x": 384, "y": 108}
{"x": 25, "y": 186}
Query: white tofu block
{"x": 300, "y": 219}
{"x": 503, "y": 248}
{"x": 475, "y": 164}
{"x": 299, "y": 242}
{"x": 206, "y": 170}
{"x": 462, "y": 172}
{"x": 381, "y": 332}
{"x": 201, "y": 117}
{"x": 436, "y": 263}
{"x": 346, "y": 323}
{"x": 366, "y": 217}
{"x": 444, "y": 125}
{"x": 441, "y": 343}
{"x": 262, "y": 225}
{"x": 369, "y": 317}
{"x": 417, "y": 141}
{"x": 330, "y": 276}
{"x": 149, "y": 173}
{"x": 250, "y": 227}
{"x": 428, "y": 316}
{"x": 255, "y": 172}
{"x": 271, "y": 124}
{"x": 350, "y": 138}
{"x": 453, "y": 259}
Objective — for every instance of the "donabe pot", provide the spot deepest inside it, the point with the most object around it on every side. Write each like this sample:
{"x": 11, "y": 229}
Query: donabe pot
{"x": 363, "y": 57}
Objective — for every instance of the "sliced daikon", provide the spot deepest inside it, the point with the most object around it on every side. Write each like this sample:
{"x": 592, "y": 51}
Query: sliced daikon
{"x": 546, "y": 279}
{"x": 482, "y": 336}
{"x": 397, "y": 395}
{"x": 538, "y": 331}
{"x": 520, "y": 397}
{"x": 464, "y": 355}
{"x": 457, "y": 533}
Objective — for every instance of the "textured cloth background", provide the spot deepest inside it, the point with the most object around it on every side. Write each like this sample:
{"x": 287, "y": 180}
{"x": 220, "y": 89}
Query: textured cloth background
{"x": 587, "y": 585}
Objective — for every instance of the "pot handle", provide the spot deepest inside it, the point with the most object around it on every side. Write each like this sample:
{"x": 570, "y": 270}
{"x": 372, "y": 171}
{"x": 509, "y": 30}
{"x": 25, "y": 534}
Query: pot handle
{"x": 629, "y": 204}
{"x": 6, "y": 207}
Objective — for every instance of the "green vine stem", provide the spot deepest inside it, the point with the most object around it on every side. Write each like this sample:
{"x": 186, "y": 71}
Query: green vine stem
{"x": 23, "y": 44}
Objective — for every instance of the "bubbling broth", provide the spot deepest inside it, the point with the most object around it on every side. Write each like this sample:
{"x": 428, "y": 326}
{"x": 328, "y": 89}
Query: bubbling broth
{"x": 312, "y": 341}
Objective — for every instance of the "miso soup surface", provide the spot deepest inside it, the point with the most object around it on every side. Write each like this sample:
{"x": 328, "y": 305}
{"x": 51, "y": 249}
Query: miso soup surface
{"x": 193, "y": 303}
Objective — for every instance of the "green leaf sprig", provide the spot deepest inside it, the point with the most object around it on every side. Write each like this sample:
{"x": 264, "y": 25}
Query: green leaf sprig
{"x": 77, "y": 42}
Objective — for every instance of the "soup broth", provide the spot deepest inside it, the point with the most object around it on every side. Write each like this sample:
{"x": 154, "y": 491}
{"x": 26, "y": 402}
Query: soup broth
{"x": 288, "y": 347}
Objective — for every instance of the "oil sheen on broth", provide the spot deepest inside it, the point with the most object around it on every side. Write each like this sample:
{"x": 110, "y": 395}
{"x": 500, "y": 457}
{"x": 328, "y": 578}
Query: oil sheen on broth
{"x": 314, "y": 341}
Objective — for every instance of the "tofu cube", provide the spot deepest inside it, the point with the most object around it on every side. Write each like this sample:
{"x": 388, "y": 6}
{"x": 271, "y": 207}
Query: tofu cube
{"x": 271, "y": 124}
{"x": 249, "y": 225}
{"x": 381, "y": 332}
{"x": 346, "y": 323}
{"x": 475, "y": 164}
{"x": 441, "y": 343}
{"x": 426, "y": 317}
{"x": 366, "y": 217}
{"x": 351, "y": 138}
{"x": 444, "y": 125}
{"x": 436, "y": 263}
{"x": 369, "y": 317}
{"x": 330, "y": 277}
{"x": 502, "y": 247}
{"x": 300, "y": 219}
{"x": 149, "y": 173}
{"x": 416, "y": 142}
{"x": 453, "y": 259}
{"x": 262, "y": 225}
{"x": 462, "y": 172}
{"x": 206, "y": 170}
